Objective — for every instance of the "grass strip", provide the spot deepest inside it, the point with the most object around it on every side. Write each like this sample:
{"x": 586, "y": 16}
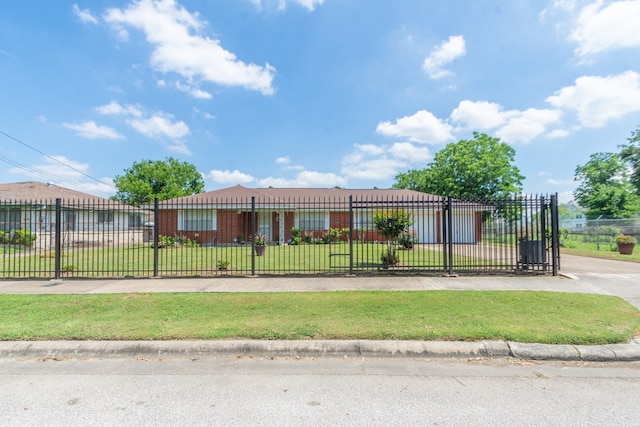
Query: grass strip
{"x": 524, "y": 316}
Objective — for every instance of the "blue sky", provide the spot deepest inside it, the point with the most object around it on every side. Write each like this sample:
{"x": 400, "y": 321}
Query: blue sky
{"x": 311, "y": 93}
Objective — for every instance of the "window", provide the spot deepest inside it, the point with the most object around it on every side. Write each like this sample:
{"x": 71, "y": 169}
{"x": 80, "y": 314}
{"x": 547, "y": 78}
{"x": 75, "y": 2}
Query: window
{"x": 313, "y": 220}
{"x": 9, "y": 219}
{"x": 105, "y": 217}
{"x": 196, "y": 220}
{"x": 135, "y": 221}
{"x": 362, "y": 220}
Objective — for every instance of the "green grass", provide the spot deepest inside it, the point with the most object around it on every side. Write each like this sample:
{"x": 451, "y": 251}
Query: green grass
{"x": 606, "y": 249}
{"x": 524, "y": 316}
{"x": 138, "y": 260}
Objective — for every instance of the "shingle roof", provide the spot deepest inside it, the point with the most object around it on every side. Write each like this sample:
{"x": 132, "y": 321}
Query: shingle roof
{"x": 37, "y": 192}
{"x": 265, "y": 195}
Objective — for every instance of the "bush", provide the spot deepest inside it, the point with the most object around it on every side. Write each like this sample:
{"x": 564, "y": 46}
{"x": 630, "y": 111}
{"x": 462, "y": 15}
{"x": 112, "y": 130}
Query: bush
{"x": 18, "y": 237}
{"x": 407, "y": 239}
{"x": 296, "y": 239}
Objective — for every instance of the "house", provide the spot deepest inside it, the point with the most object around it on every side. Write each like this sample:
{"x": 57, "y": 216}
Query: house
{"x": 84, "y": 218}
{"x": 224, "y": 216}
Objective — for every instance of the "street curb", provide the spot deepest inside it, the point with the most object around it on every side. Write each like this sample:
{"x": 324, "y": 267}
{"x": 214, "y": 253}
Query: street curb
{"x": 319, "y": 348}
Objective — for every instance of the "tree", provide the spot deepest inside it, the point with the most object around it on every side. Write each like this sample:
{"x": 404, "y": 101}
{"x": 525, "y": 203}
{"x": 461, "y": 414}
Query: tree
{"x": 391, "y": 224}
{"x": 631, "y": 155}
{"x": 164, "y": 179}
{"x": 605, "y": 189}
{"x": 478, "y": 168}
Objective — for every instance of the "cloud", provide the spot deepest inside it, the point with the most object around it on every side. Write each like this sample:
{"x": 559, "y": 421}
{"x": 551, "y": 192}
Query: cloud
{"x": 310, "y": 5}
{"x": 408, "y": 152}
{"x": 179, "y": 48}
{"x": 527, "y": 125}
{"x": 193, "y": 91}
{"x": 305, "y": 179}
{"x": 91, "y": 130}
{"x": 114, "y": 108}
{"x": 558, "y": 133}
{"x": 601, "y": 28}
{"x": 229, "y": 177}
{"x": 442, "y": 55}
{"x": 159, "y": 126}
{"x": 597, "y": 100}
{"x": 373, "y": 162}
{"x": 422, "y": 127}
{"x": 480, "y": 115}
{"x": 84, "y": 15}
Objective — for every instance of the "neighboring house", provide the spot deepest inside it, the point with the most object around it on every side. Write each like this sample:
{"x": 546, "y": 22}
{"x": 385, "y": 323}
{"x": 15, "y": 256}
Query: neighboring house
{"x": 85, "y": 219}
{"x": 224, "y": 216}
{"x": 572, "y": 217}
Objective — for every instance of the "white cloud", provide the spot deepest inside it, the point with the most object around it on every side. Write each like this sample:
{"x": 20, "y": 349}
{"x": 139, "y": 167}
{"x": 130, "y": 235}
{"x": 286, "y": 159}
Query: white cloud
{"x": 310, "y": 5}
{"x": 59, "y": 167}
{"x": 91, "y": 130}
{"x": 229, "y": 177}
{"x": 193, "y": 91}
{"x": 84, "y": 15}
{"x": 114, "y": 108}
{"x": 159, "y": 126}
{"x": 283, "y": 160}
{"x": 527, "y": 125}
{"x": 410, "y": 153}
{"x": 480, "y": 115}
{"x": 422, "y": 127}
{"x": 170, "y": 29}
{"x": 597, "y": 100}
{"x": 600, "y": 28}
{"x": 442, "y": 55}
{"x": 372, "y": 162}
{"x": 305, "y": 179}
{"x": 558, "y": 133}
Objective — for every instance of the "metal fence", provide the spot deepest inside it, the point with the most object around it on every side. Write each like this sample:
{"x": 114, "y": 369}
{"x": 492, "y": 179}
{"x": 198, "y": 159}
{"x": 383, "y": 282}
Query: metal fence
{"x": 302, "y": 236}
{"x": 598, "y": 233}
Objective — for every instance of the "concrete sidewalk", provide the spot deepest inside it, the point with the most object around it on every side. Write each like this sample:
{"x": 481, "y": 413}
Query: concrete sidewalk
{"x": 583, "y": 275}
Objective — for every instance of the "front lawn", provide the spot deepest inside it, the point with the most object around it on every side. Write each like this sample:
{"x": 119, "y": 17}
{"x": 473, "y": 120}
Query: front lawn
{"x": 524, "y": 316}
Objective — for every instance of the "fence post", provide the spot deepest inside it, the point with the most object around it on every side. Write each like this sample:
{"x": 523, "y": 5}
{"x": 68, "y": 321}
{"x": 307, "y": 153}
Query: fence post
{"x": 555, "y": 235}
{"x": 443, "y": 232}
{"x": 155, "y": 237}
{"x": 58, "y": 237}
{"x": 543, "y": 237}
{"x": 350, "y": 234}
{"x": 253, "y": 235}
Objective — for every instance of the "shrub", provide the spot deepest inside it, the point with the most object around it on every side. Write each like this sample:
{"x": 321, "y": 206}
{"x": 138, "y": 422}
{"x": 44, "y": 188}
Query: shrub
{"x": 296, "y": 239}
{"x": 166, "y": 241}
{"x": 407, "y": 239}
{"x": 223, "y": 264}
{"x": 17, "y": 237}
{"x": 308, "y": 237}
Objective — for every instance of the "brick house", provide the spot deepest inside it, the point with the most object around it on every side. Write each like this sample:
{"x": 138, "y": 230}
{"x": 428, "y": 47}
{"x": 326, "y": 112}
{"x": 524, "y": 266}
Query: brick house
{"x": 224, "y": 216}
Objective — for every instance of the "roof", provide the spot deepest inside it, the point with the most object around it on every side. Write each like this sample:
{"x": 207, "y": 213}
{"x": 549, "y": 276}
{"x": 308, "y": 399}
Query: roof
{"x": 271, "y": 194}
{"x": 24, "y": 193}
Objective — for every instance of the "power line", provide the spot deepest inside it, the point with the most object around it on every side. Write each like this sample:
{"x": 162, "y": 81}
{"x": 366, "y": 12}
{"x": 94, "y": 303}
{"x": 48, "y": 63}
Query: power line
{"x": 46, "y": 155}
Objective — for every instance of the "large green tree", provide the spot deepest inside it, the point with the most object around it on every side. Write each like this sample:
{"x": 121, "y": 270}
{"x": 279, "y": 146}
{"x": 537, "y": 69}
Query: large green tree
{"x": 605, "y": 189}
{"x": 631, "y": 155}
{"x": 482, "y": 167}
{"x": 164, "y": 179}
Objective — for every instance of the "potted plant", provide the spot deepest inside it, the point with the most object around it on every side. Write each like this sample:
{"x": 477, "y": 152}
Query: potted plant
{"x": 260, "y": 242}
{"x": 625, "y": 244}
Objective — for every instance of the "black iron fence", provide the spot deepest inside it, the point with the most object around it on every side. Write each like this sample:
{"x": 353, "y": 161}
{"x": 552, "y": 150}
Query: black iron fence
{"x": 201, "y": 237}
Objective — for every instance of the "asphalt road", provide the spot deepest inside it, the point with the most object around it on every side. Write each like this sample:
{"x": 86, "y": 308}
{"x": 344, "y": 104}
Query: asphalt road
{"x": 309, "y": 392}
